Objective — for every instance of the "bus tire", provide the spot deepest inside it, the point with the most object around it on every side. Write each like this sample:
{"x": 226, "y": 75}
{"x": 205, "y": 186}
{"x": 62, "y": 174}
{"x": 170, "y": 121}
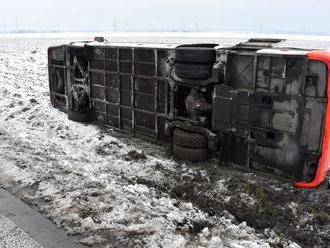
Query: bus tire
{"x": 190, "y": 154}
{"x": 190, "y": 54}
{"x": 78, "y": 117}
{"x": 188, "y": 139}
{"x": 193, "y": 71}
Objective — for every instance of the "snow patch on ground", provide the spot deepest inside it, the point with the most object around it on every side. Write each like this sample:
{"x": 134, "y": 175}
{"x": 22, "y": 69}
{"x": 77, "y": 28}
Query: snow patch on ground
{"x": 82, "y": 176}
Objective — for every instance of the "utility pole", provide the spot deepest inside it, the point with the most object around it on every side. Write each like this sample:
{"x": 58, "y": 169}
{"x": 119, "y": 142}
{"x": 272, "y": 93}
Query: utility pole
{"x": 126, "y": 25}
{"x": 114, "y": 25}
{"x": 4, "y": 25}
{"x": 183, "y": 27}
{"x": 16, "y": 24}
{"x": 196, "y": 26}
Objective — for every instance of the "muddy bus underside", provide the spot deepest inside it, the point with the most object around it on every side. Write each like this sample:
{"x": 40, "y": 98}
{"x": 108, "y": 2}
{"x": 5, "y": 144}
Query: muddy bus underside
{"x": 257, "y": 109}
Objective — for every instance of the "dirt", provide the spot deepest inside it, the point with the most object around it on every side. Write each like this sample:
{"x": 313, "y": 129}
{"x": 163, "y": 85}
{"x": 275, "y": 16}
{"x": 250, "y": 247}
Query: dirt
{"x": 135, "y": 156}
{"x": 292, "y": 213}
{"x": 308, "y": 224}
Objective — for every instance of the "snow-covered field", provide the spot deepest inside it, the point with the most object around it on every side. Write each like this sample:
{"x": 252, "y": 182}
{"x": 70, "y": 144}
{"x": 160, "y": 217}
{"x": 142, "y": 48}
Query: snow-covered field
{"x": 116, "y": 191}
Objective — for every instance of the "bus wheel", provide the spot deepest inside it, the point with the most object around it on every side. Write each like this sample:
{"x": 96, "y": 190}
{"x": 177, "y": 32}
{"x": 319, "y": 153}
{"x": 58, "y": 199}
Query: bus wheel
{"x": 193, "y": 71}
{"x": 79, "y": 110}
{"x": 78, "y": 117}
{"x": 190, "y": 154}
{"x": 190, "y": 146}
{"x": 190, "y": 54}
{"x": 188, "y": 139}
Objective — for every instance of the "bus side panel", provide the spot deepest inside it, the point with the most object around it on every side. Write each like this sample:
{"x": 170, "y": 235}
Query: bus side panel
{"x": 129, "y": 89}
{"x": 273, "y": 123}
{"x": 57, "y": 71}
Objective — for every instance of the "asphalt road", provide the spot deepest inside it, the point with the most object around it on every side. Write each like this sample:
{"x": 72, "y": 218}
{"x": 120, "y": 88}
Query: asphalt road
{"x": 23, "y": 227}
{"x": 13, "y": 236}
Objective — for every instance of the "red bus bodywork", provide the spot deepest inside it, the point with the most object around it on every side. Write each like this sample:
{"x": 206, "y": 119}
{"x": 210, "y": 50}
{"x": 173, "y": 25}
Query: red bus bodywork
{"x": 324, "y": 162}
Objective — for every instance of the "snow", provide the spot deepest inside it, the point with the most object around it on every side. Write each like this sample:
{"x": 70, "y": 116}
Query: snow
{"x": 79, "y": 176}
{"x": 283, "y": 52}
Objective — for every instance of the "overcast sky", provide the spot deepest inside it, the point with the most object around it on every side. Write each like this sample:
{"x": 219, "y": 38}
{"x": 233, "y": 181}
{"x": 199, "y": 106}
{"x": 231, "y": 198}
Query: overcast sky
{"x": 299, "y": 16}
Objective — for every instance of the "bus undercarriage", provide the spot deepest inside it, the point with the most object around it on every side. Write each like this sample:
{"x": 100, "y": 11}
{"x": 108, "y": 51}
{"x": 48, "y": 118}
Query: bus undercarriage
{"x": 253, "y": 106}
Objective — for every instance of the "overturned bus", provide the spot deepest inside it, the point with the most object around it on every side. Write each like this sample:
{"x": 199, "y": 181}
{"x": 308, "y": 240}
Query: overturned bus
{"x": 255, "y": 105}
